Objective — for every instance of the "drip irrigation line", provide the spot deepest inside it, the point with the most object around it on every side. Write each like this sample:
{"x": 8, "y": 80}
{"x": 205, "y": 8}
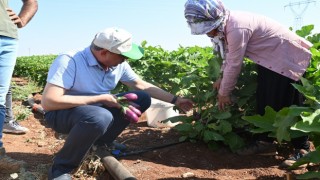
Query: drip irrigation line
{"x": 118, "y": 153}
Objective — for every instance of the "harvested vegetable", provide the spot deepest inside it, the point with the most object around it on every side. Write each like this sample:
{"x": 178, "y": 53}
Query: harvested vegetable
{"x": 129, "y": 97}
{"x": 130, "y": 115}
{"x": 135, "y": 110}
{"x": 134, "y": 104}
{"x": 130, "y": 109}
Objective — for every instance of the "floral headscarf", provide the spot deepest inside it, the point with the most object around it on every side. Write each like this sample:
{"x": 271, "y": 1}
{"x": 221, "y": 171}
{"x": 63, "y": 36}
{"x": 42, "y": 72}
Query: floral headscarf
{"x": 204, "y": 15}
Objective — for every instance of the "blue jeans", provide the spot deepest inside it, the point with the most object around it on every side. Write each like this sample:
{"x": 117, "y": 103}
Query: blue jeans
{"x": 8, "y": 55}
{"x": 87, "y": 125}
{"x": 9, "y": 112}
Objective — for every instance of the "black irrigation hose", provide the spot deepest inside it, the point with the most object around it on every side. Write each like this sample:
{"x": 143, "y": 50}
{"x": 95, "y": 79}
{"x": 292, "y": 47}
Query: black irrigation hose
{"x": 116, "y": 169}
{"x": 118, "y": 153}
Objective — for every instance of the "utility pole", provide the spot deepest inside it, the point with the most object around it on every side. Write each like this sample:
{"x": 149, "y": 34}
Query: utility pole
{"x": 298, "y": 8}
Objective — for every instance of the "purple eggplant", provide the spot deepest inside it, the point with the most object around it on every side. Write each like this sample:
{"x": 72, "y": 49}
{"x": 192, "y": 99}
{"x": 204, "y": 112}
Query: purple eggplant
{"x": 130, "y": 115}
{"x": 134, "y": 105}
{"x": 129, "y": 97}
{"x": 135, "y": 110}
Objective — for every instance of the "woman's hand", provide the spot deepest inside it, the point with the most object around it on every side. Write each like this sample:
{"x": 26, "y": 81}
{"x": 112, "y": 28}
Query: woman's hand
{"x": 223, "y": 101}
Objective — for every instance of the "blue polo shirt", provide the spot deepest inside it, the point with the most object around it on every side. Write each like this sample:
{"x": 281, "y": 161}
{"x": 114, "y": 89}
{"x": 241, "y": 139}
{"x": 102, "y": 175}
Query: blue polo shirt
{"x": 80, "y": 74}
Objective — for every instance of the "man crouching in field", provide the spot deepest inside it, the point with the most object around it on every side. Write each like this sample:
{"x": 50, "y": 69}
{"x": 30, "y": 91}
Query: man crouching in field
{"x": 78, "y": 99}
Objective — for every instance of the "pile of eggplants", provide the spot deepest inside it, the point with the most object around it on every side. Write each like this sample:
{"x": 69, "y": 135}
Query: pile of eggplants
{"x": 130, "y": 109}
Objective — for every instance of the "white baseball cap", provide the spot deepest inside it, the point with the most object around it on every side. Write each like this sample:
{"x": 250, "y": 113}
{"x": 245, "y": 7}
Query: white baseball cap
{"x": 118, "y": 41}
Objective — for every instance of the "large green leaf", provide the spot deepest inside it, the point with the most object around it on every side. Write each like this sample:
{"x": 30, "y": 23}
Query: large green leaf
{"x": 283, "y": 122}
{"x": 224, "y": 127}
{"x": 262, "y": 123}
{"x": 234, "y": 141}
{"x": 184, "y": 128}
{"x": 309, "y": 123}
{"x": 214, "y": 68}
{"x": 222, "y": 115}
{"x": 212, "y": 136}
{"x": 199, "y": 127}
{"x": 305, "y": 30}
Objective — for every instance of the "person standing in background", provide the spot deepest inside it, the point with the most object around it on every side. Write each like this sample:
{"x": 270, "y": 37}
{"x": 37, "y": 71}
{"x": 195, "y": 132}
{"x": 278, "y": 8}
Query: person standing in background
{"x": 10, "y": 123}
{"x": 9, "y": 24}
{"x": 282, "y": 57}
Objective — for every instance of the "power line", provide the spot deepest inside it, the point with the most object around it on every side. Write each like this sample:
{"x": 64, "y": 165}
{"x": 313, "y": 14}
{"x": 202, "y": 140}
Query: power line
{"x": 298, "y": 8}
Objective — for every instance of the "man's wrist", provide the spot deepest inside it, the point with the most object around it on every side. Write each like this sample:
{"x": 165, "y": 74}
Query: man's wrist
{"x": 174, "y": 100}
